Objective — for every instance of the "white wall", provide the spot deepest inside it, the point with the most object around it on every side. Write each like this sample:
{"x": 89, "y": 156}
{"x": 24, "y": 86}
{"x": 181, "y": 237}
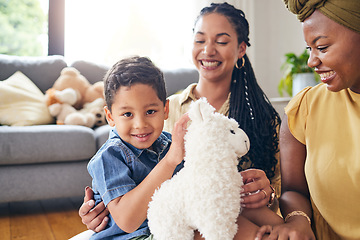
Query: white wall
{"x": 275, "y": 31}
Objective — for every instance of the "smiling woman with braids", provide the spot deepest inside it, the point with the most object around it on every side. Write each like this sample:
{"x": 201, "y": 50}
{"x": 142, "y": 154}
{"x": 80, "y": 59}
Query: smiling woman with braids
{"x": 227, "y": 80}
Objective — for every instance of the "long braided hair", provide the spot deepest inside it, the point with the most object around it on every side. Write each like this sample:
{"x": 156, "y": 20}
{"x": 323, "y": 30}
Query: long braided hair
{"x": 249, "y": 105}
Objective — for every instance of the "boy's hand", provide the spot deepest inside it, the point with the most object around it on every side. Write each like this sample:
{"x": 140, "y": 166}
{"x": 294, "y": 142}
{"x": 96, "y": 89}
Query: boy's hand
{"x": 177, "y": 149}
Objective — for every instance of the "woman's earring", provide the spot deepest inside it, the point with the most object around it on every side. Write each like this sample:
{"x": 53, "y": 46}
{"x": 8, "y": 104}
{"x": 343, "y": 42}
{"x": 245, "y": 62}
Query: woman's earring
{"x": 242, "y": 65}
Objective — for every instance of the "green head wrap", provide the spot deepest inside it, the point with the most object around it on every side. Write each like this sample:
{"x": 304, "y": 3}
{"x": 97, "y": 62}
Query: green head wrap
{"x": 344, "y": 12}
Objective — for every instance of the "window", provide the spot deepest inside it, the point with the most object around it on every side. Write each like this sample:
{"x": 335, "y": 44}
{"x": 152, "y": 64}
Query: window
{"x": 23, "y": 27}
{"x": 100, "y": 31}
{"x": 106, "y": 31}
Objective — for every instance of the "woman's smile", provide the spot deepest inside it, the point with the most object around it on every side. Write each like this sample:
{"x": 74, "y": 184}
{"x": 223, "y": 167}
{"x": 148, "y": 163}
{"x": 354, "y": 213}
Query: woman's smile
{"x": 327, "y": 76}
{"x": 210, "y": 64}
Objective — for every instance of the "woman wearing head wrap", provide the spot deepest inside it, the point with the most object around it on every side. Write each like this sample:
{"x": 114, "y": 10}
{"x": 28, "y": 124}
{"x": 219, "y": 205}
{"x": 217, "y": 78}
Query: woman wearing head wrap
{"x": 320, "y": 144}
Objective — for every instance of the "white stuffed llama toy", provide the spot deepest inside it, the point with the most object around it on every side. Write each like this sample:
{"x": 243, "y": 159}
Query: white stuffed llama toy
{"x": 205, "y": 194}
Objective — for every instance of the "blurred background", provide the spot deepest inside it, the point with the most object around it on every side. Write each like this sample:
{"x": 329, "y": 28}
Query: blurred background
{"x": 105, "y": 31}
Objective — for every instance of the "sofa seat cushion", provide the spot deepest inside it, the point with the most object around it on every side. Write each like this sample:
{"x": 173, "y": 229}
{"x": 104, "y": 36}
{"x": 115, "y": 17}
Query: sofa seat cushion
{"x": 46, "y": 143}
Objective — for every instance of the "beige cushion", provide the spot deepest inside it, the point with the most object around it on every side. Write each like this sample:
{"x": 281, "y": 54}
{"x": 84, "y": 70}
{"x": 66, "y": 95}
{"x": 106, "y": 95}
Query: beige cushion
{"x": 22, "y": 103}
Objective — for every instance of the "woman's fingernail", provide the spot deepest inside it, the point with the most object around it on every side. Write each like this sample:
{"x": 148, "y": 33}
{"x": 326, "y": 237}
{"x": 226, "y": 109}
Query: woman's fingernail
{"x": 91, "y": 203}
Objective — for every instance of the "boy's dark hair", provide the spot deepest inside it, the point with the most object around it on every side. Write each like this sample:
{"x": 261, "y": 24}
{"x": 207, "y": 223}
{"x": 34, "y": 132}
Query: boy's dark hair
{"x": 248, "y": 103}
{"x": 130, "y": 71}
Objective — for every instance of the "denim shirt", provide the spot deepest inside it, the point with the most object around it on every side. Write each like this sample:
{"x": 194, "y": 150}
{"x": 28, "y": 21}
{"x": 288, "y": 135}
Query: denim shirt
{"x": 119, "y": 167}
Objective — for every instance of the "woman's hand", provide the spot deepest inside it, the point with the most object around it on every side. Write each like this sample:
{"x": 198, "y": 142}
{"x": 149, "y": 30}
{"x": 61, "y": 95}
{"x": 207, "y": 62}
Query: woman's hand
{"x": 95, "y": 218}
{"x": 256, "y": 189}
{"x": 298, "y": 229}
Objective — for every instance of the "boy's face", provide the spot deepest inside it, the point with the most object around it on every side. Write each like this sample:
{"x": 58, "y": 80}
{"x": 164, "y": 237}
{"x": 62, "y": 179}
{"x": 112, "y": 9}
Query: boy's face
{"x": 138, "y": 115}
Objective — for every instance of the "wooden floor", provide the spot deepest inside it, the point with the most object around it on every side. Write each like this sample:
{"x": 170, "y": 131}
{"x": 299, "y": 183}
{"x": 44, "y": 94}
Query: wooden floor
{"x": 55, "y": 219}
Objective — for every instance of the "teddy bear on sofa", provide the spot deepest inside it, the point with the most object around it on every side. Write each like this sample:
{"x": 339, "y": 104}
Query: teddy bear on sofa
{"x": 70, "y": 77}
{"x": 74, "y": 101}
{"x": 60, "y": 103}
{"x": 92, "y": 114}
{"x": 205, "y": 194}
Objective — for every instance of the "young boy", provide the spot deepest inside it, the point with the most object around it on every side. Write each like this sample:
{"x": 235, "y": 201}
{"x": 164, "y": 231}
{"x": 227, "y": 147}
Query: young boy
{"x": 138, "y": 156}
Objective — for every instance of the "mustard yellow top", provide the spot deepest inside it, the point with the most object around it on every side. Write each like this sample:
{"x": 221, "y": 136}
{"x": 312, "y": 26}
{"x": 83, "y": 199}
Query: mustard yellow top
{"x": 179, "y": 105}
{"x": 328, "y": 123}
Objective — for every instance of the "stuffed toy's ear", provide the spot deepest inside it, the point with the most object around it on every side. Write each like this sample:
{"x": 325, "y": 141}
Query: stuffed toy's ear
{"x": 201, "y": 110}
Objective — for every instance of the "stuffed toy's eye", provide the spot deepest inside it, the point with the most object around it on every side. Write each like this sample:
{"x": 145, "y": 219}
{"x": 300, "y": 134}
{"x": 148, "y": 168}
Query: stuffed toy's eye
{"x": 232, "y": 131}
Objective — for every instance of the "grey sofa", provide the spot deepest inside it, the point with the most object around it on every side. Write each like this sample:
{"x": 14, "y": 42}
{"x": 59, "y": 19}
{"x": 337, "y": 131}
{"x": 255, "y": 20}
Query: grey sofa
{"x": 49, "y": 161}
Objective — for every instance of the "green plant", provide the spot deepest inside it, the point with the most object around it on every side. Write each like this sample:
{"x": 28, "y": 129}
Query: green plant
{"x": 294, "y": 64}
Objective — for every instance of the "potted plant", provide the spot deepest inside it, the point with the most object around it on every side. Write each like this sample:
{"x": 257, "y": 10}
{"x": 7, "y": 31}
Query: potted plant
{"x": 297, "y": 74}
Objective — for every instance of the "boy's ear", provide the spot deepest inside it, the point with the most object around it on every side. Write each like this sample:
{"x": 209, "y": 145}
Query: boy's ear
{"x": 109, "y": 117}
{"x": 166, "y": 109}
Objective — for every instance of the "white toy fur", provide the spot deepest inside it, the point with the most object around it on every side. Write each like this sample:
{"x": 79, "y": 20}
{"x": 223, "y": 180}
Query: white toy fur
{"x": 205, "y": 194}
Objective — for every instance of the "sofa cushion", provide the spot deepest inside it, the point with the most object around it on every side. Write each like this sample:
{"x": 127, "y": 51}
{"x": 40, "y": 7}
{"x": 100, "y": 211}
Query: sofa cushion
{"x": 91, "y": 71}
{"x": 22, "y": 103}
{"x": 43, "y": 71}
{"x": 46, "y": 143}
{"x": 179, "y": 79}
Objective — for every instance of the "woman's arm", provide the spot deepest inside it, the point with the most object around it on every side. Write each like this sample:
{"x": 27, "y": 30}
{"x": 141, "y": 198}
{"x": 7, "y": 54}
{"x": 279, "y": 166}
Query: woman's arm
{"x": 295, "y": 194}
